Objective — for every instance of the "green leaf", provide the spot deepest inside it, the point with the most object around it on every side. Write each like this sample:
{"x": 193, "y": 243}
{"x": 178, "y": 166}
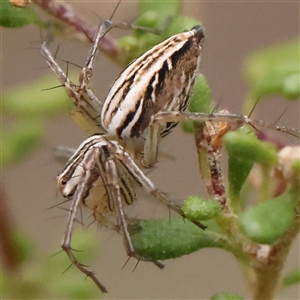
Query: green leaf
{"x": 225, "y": 296}
{"x": 201, "y": 98}
{"x": 243, "y": 144}
{"x": 170, "y": 238}
{"x": 244, "y": 149}
{"x": 292, "y": 278}
{"x": 199, "y": 209}
{"x": 11, "y": 16}
{"x": 140, "y": 41}
{"x": 239, "y": 164}
{"x": 20, "y": 140}
{"x": 23, "y": 246}
{"x": 162, "y": 9}
{"x": 200, "y": 101}
{"x": 30, "y": 102}
{"x": 265, "y": 222}
{"x": 274, "y": 71}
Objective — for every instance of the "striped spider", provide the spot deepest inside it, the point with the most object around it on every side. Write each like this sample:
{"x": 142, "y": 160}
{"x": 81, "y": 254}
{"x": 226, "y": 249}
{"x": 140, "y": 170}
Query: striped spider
{"x": 101, "y": 174}
{"x": 144, "y": 104}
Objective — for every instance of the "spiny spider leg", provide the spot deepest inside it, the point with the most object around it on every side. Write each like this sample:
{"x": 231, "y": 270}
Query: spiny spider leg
{"x": 86, "y": 72}
{"x": 100, "y": 159}
{"x": 86, "y": 102}
{"x": 172, "y": 116}
{"x": 101, "y": 162}
{"x": 112, "y": 176}
{"x": 81, "y": 189}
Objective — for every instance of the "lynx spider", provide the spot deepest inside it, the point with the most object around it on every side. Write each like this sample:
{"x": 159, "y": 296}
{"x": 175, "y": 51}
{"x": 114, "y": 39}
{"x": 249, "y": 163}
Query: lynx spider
{"x": 143, "y": 105}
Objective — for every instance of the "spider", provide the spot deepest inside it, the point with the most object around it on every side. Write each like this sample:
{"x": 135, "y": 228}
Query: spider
{"x": 159, "y": 80}
{"x": 144, "y": 104}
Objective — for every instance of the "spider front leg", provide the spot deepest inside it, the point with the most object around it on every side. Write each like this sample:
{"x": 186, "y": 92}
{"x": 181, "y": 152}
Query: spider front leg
{"x": 80, "y": 192}
{"x": 87, "y": 105}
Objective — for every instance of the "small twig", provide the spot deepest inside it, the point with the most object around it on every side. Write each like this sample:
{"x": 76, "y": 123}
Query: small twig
{"x": 65, "y": 14}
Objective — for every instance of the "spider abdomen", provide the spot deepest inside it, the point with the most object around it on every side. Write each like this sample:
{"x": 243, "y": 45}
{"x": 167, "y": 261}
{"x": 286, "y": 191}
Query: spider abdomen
{"x": 159, "y": 80}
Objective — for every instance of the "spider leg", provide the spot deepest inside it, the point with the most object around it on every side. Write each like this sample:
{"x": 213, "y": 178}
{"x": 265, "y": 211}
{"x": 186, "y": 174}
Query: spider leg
{"x": 115, "y": 190}
{"x": 87, "y": 105}
{"x": 230, "y": 118}
{"x": 160, "y": 119}
{"x": 143, "y": 180}
{"x": 66, "y": 244}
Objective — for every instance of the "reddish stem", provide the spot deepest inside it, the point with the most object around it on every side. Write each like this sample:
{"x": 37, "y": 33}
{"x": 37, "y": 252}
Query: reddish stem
{"x": 65, "y": 14}
{"x": 8, "y": 249}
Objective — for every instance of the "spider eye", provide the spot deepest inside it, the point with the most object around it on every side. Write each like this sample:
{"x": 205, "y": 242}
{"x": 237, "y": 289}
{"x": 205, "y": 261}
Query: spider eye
{"x": 62, "y": 181}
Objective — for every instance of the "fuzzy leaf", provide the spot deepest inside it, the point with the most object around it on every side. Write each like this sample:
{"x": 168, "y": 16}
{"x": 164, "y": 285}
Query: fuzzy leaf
{"x": 265, "y": 222}
{"x": 170, "y": 238}
{"x": 199, "y": 209}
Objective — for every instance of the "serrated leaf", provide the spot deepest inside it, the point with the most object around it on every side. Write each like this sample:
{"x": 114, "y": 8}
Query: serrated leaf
{"x": 265, "y": 222}
{"x": 170, "y": 238}
{"x": 11, "y": 16}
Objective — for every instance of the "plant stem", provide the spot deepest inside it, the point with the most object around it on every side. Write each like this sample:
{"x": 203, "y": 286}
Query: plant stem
{"x": 268, "y": 277}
